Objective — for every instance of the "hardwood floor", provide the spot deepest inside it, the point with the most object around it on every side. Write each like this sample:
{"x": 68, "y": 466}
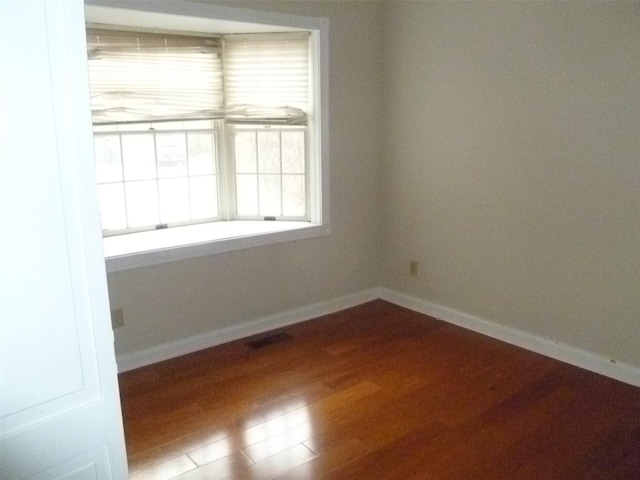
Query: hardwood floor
{"x": 377, "y": 392}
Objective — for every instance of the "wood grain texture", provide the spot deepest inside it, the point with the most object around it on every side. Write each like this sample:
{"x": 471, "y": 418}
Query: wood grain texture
{"x": 378, "y": 391}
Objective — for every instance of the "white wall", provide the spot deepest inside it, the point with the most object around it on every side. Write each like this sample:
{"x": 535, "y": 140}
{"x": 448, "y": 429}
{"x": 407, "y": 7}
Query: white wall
{"x": 512, "y": 169}
{"x": 174, "y": 301}
{"x": 507, "y": 164}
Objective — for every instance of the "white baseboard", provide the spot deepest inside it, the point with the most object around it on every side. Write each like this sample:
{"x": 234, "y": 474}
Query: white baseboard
{"x": 192, "y": 344}
{"x": 544, "y": 346}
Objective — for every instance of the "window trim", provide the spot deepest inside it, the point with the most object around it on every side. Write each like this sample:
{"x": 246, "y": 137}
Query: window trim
{"x": 122, "y": 250}
{"x": 203, "y": 17}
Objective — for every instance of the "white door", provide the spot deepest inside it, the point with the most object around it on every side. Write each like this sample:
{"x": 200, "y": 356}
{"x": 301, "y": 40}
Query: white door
{"x": 59, "y": 407}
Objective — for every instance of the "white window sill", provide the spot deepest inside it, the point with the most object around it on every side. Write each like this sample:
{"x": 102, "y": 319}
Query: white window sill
{"x": 143, "y": 249}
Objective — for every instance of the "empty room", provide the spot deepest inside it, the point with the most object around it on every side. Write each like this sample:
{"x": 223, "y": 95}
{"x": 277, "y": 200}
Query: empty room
{"x": 347, "y": 240}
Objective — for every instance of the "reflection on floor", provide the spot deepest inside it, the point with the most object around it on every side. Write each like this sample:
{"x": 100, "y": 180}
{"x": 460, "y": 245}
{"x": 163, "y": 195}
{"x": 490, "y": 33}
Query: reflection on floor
{"x": 377, "y": 392}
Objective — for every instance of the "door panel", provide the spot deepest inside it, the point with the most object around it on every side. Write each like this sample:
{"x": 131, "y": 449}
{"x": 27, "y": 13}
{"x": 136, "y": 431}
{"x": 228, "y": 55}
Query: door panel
{"x": 93, "y": 465}
{"x": 59, "y": 404}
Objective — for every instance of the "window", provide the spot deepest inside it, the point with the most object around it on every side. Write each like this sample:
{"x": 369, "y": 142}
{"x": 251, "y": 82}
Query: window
{"x": 154, "y": 176}
{"x": 205, "y": 142}
{"x": 269, "y": 173}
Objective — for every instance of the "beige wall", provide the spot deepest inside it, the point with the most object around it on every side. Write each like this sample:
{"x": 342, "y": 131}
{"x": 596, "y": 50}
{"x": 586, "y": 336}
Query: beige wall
{"x": 512, "y": 167}
{"x": 507, "y": 164}
{"x": 181, "y": 299}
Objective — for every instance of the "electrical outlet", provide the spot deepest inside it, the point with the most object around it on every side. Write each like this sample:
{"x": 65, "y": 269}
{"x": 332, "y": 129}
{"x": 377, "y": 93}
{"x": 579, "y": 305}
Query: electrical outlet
{"x": 413, "y": 268}
{"x": 117, "y": 318}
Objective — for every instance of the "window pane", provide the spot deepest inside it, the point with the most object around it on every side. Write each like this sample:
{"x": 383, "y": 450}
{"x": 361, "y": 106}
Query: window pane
{"x": 270, "y": 195}
{"x": 247, "y": 194}
{"x": 174, "y": 200}
{"x": 139, "y": 157}
{"x": 202, "y": 153}
{"x": 293, "y": 152}
{"x": 108, "y": 161}
{"x": 269, "y": 152}
{"x": 142, "y": 203}
{"x": 245, "y": 152}
{"x": 293, "y": 197}
{"x": 112, "y": 206}
{"x": 172, "y": 155}
{"x": 204, "y": 197}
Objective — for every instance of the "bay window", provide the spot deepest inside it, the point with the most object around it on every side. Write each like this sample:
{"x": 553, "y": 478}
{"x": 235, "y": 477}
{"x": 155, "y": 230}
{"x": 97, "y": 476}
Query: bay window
{"x": 206, "y": 142}
{"x": 195, "y": 129}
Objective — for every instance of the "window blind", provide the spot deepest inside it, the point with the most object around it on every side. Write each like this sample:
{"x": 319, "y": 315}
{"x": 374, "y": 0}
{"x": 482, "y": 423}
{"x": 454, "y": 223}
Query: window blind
{"x": 266, "y": 78}
{"x": 139, "y": 76}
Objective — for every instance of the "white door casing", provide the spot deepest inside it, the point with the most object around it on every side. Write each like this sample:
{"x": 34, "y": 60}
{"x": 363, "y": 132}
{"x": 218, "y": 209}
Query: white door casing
{"x": 60, "y": 414}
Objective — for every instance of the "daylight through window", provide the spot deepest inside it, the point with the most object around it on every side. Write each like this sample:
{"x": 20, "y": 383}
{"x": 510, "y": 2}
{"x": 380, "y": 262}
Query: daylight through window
{"x": 195, "y": 129}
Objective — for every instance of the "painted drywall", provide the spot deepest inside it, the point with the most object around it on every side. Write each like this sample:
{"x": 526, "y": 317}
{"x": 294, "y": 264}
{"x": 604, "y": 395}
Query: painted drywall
{"x": 512, "y": 165}
{"x": 495, "y": 143}
{"x": 170, "y": 302}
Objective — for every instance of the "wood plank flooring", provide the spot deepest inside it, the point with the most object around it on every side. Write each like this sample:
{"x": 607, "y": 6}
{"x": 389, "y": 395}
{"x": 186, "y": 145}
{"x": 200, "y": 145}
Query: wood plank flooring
{"x": 377, "y": 392}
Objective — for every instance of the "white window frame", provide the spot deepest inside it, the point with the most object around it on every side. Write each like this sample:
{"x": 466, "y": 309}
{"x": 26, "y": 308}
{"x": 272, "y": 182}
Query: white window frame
{"x": 230, "y": 131}
{"x": 215, "y": 130}
{"x": 129, "y": 251}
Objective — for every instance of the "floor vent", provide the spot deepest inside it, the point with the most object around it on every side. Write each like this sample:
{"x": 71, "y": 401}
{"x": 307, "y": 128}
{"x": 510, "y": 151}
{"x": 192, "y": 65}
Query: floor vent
{"x": 269, "y": 340}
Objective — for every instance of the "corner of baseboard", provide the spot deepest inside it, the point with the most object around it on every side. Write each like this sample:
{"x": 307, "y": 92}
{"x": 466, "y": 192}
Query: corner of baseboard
{"x": 565, "y": 353}
{"x": 562, "y": 352}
